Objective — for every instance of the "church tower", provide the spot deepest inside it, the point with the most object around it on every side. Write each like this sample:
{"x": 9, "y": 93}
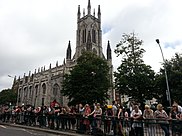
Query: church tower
{"x": 44, "y": 85}
{"x": 89, "y": 33}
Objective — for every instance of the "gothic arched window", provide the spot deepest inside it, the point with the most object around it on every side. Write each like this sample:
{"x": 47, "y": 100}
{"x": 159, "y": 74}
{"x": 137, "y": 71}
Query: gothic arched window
{"x": 84, "y": 36}
{"x": 19, "y": 94}
{"x": 25, "y": 92}
{"x": 83, "y": 50}
{"x": 30, "y": 91}
{"x": 55, "y": 89}
{"x": 36, "y": 90}
{"x": 44, "y": 88}
{"x": 94, "y": 51}
{"x": 93, "y": 36}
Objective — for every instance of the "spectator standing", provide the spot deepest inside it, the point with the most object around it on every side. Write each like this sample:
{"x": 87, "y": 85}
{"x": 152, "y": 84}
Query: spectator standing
{"x": 97, "y": 113}
{"x": 108, "y": 115}
{"x": 136, "y": 115}
{"x": 174, "y": 115}
{"x": 80, "y": 118}
{"x": 51, "y": 117}
{"x": 163, "y": 119}
{"x": 68, "y": 117}
{"x": 179, "y": 107}
{"x": 148, "y": 116}
{"x": 114, "y": 117}
{"x": 57, "y": 110}
{"x": 122, "y": 116}
{"x": 63, "y": 118}
{"x": 180, "y": 121}
{"x": 86, "y": 121}
{"x": 73, "y": 116}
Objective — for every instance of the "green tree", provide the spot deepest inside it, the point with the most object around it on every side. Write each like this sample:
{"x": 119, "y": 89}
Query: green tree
{"x": 174, "y": 73}
{"x": 8, "y": 96}
{"x": 88, "y": 82}
{"x": 133, "y": 77}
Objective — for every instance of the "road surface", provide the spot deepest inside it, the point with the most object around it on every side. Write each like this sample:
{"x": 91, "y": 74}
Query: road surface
{"x": 14, "y": 131}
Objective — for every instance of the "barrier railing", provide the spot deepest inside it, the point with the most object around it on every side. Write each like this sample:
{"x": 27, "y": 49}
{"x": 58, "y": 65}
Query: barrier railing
{"x": 105, "y": 125}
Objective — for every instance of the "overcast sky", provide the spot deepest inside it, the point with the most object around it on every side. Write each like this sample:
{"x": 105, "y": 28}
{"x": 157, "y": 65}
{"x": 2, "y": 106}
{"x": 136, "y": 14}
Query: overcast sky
{"x": 35, "y": 33}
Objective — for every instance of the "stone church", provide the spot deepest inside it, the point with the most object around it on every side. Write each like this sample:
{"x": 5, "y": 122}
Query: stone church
{"x": 44, "y": 85}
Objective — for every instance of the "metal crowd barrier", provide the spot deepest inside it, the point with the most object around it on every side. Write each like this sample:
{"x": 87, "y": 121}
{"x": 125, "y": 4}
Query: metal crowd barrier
{"x": 98, "y": 126}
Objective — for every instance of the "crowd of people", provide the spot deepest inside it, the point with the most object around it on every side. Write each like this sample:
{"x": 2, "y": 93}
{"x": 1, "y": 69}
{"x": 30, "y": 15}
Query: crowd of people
{"x": 91, "y": 119}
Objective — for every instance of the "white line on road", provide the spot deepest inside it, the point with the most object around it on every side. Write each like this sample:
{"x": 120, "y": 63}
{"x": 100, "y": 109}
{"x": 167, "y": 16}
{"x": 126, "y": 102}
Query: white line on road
{"x": 2, "y": 126}
{"x": 32, "y": 133}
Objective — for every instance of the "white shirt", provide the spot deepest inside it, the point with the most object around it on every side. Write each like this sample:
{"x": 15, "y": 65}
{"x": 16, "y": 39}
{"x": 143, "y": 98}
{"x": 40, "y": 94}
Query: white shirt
{"x": 179, "y": 108}
{"x": 134, "y": 113}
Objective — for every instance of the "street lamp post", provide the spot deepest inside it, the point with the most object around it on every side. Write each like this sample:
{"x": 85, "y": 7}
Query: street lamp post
{"x": 10, "y": 76}
{"x": 165, "y": 71}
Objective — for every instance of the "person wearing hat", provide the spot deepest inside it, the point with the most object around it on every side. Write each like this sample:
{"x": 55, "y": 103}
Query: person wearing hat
{"x": 162, "y": 117}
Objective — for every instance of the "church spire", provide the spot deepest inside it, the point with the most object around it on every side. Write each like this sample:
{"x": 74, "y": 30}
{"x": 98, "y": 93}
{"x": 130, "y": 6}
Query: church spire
{"x": 84, "y": 12}
{"x": 68, "y": 53}
{"x": 78, "y": 14}
{"x": 89, "y": 7}
{"x": 99, "y": 13}
{"x": 108, "y": 51}
{"x": 14, "y": 79}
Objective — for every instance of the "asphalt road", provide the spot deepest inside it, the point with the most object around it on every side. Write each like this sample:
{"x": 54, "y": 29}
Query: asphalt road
{"x": 14, "y": 131}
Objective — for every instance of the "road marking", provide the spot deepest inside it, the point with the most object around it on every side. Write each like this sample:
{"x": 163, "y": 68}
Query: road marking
{"x": 32, "y": 133}
{"x": 2, "y": 126}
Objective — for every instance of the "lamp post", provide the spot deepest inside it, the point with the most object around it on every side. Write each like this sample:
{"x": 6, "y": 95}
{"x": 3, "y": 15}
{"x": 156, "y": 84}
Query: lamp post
{"x": 165, "y": 71}
{"x": 10, "y": 76}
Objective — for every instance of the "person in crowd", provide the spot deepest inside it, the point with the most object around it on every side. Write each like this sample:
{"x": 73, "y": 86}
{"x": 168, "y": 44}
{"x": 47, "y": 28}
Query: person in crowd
{"x": 68, "y": 117}
{"x": 80, "y": 117}
{"x": 32, "y": 116}
{"x": 122, "y": 117}
{"x": 136, "y": 115}
{"x": 179, "y": 106}
{"x": 50, "y": 117}
{"x": 86, "y": 121}
{"x": 44, "y": 116}
{"x": 114, "y": 117}
{"x": 148, "y": 116}
{"x": 180, "y": 122}
{"x": 97, "y": 113}
{"x": 28, "y": 114}
{"x": 13, "y": 115}
{"x": 108, "y": 116}
{"x": 7, "y": 113}
{"x": 38, "y": 115}
{"x": 174, "y": 116}
{"x": 3, "y": 113}
{"x": 22, "y": 114}
{"x": 162, "y": 117}
{"x": 63, "y": 118}
{"x": 73, "y": 112}
{"x": 81, "y": 109}
{"x": 57, "y": 110}
{"x": 17, "y": 114}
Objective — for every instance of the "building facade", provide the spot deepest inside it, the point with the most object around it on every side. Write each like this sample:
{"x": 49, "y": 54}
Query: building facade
{"x": 45, "y": 85}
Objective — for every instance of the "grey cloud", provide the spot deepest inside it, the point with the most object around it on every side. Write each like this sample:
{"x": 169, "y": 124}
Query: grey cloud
{"x": 36, "y": 33}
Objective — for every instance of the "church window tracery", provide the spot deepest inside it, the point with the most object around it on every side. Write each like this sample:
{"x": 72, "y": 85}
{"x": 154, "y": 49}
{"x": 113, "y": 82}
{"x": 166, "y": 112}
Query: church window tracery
{"x": 44, "y": 88}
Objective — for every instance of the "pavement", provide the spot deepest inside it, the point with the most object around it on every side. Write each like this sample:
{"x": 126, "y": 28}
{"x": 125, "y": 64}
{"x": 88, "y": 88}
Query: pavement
{"x": 47, "y": 130}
